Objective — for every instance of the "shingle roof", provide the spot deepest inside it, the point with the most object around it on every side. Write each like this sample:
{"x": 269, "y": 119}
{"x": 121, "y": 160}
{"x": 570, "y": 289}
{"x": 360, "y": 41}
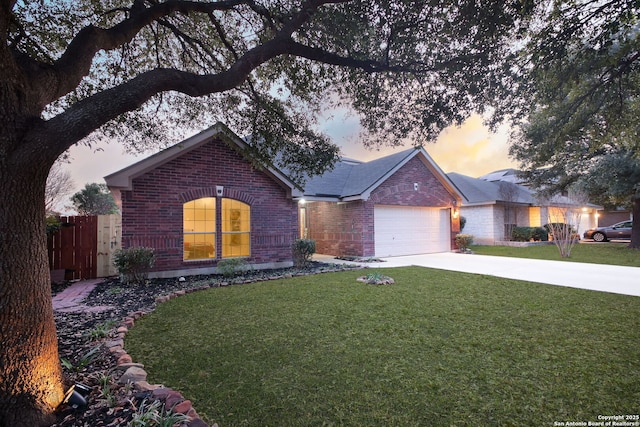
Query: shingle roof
{"x": 352, "y": 178}
{"x": 478, "y": 190}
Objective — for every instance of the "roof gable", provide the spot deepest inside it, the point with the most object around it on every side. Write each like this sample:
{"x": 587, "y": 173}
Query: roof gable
{"x": 122, "y": 179}
{"x": 351, "y": 180}
{"x": 480, "y": 191}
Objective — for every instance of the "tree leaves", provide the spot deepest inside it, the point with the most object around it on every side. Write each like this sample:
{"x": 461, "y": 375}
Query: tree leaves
{"x": 409, "y": 68}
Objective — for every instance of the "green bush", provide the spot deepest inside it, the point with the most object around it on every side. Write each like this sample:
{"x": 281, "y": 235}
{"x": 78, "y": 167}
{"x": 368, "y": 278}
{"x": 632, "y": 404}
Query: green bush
{"x": 526, "y": 234}
{"x": 231, "y": 266}
{"x": 463, "y": 222}
{"x": 134, "y": 264}
{"x": 561, "y": 231}
{"x": 463, "y": 241}
{"x": 303, "y": 249}
{"x": 53, "y": 225}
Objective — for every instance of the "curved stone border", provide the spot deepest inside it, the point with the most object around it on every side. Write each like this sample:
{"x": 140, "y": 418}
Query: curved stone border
{"x": 135, "y": 374}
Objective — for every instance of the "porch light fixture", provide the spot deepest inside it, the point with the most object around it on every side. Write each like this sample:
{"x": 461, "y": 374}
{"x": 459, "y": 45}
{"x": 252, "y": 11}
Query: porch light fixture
{"x": 302, "y": 201}
{"x": 455, "y": 212}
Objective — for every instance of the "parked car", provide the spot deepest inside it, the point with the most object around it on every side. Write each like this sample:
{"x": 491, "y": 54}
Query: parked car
{"x": 621, "y": 230}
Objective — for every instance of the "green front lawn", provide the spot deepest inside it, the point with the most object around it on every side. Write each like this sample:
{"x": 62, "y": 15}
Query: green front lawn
{"x": 437, "y": 348}
{"x": 595, "y": 253}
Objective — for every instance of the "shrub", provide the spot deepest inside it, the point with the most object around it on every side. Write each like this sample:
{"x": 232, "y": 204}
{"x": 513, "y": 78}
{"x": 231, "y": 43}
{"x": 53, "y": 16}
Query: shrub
{"x": 53, "y": 225}
{"x": 561, "y": 231}
{"x": 463, "y": 222}
{"x": 231, "y": 266}
{"x": 526, "y": 234}
{"x": 463, "y": 241}
{"x": 303, "y": 249}
{"x": 134, "y": 264}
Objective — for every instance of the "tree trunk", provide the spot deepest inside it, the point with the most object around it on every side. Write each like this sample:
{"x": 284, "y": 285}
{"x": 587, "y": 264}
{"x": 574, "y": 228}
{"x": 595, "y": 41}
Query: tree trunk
{"x": 31, "y": 385}
{"x": 635, "y": 231}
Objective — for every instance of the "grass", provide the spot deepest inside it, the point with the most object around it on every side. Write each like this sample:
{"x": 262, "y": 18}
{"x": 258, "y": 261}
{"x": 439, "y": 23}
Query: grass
{"x": 603, "y": 253}
{"x": 437, "y": 348}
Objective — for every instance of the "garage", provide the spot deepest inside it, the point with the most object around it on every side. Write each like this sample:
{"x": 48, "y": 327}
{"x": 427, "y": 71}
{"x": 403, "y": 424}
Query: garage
{"x": 411, "y": 230}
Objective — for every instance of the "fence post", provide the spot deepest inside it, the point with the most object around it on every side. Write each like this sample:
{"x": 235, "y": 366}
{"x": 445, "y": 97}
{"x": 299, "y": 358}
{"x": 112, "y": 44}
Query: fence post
{"x": 109, "y": 239}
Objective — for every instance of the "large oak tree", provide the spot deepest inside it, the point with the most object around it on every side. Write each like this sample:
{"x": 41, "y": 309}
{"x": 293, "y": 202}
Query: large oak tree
{"x": 580, "y": 102}
{"x": 136, "y": 70}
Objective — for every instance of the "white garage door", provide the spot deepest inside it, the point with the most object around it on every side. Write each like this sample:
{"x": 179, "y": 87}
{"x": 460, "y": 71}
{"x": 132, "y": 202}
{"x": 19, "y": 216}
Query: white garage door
{"x": 405, "y": 230}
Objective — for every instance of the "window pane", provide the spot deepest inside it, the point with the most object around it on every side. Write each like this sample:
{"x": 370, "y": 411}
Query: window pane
{"x": 199, "y": 226}
{"x": 199, "y": 246}
{"x": 236, "y": 245}
{"x": 236, "y": 228}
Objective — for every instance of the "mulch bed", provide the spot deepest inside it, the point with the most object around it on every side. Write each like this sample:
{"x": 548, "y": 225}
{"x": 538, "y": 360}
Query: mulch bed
{"x": 87, "y": 361}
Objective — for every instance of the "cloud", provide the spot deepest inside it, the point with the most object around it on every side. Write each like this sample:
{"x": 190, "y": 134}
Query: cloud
{"x": 470, "y": 149}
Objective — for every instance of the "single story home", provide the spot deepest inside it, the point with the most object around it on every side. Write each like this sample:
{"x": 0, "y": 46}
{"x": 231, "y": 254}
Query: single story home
{"x": 203, "y": 200}
{"x": 401, "y": 204}
{"x": 497, "y": 202}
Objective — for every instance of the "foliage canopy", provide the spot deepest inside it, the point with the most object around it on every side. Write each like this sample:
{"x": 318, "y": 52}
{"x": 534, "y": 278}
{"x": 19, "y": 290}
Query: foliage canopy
{"x": 94, "y": 199}
{"x": 578, "y": 103}
{"x": 140, "y": 71}
{"x": 143, "y": 71}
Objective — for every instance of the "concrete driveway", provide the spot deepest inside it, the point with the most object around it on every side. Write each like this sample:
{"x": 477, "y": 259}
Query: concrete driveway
{"x": 596, "y": 277}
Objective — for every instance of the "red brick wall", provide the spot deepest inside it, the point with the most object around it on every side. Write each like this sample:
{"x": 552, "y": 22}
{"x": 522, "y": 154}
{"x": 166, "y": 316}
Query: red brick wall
{"x": 399, "y": 189}
{"x": 348, "y": 229}
{"x": 337, "y": 228}
{"x": 152, "y": 211}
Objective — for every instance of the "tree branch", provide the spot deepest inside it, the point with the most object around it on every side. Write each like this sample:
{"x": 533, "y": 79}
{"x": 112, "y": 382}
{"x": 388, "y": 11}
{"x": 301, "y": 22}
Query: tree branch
{"x": 76, "y": 61}
{"x": 373, "y": 66}
{"x": 67, "y": 72}
{"x": 89, "y": 114}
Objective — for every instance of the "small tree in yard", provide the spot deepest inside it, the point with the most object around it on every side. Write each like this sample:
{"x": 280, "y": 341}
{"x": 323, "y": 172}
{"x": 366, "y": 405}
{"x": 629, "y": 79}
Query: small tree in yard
{"x": 94, "y": 199}
{"x": 59, "y": 186}
{"x": 564, "y": 221}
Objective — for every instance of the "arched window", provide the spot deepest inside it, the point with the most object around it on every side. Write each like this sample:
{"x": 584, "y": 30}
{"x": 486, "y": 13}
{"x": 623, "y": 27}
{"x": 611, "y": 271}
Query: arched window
{"x": 236, "y": 229}
{"x": 200, "y": 228}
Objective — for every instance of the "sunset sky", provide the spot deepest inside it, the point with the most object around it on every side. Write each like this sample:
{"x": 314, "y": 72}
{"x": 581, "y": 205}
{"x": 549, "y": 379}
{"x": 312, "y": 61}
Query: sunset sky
{"x": 470, "y": 150}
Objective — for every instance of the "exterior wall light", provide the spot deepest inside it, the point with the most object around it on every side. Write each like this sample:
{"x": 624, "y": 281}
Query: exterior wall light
{"x": 75, "y": 397}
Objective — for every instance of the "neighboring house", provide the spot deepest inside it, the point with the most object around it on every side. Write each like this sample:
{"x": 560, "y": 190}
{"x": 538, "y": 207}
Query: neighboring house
{"x": 497, "y": 202}
{"x": 609, "y": 217}
{"x": 202, "y": 200}
{"x": 401, "y": 204}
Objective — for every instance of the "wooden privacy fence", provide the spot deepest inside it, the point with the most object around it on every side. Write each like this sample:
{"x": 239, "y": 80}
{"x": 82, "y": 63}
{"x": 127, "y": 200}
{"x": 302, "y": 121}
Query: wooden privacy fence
{"x": 83, "y": 247}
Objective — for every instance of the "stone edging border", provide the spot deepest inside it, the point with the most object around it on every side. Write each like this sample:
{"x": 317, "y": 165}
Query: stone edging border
{"x": 134, "y": 373}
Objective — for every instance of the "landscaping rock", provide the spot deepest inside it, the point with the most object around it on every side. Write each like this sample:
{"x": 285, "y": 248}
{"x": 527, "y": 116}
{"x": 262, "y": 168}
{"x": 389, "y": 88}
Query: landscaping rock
{"x": 376, "y": 280}
{"x": 133, "y": 375}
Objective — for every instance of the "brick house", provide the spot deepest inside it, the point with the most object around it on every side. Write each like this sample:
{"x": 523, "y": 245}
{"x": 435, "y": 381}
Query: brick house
{"x": 203, "y": 200}
{"x": 401, "y": 204}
